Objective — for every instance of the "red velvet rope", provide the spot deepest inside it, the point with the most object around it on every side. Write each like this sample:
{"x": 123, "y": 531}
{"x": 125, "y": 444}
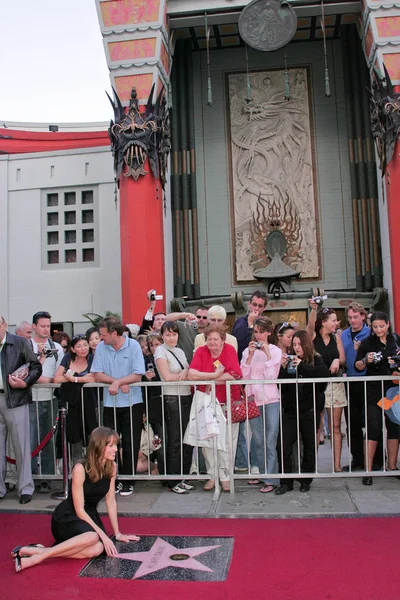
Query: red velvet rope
{"x": 42, "y": 444}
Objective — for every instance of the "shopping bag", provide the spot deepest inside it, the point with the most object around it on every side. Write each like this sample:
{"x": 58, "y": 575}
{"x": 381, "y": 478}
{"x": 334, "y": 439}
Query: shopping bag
{"x": 206, "y": 423}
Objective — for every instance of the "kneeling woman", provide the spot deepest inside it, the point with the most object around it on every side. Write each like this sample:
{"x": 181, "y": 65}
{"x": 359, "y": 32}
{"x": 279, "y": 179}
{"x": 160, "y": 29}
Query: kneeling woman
{"x": 310, "y": 365}
{"x": 76, "y": 524}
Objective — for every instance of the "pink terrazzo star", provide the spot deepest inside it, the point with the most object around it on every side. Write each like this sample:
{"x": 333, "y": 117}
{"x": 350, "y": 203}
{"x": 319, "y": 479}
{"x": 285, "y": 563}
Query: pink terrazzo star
{"x": 159, "y": 557}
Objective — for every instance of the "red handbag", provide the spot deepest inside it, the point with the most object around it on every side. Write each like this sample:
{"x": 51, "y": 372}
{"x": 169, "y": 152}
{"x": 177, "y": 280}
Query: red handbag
{"x": 244, "y": 409}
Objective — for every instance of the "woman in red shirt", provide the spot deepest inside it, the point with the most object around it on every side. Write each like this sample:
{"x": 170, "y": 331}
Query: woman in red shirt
{"x": 217, "y": 361}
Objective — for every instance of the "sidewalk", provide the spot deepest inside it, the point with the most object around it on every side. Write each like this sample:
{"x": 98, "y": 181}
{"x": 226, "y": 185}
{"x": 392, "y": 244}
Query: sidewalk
{"x": 332, "y": 497}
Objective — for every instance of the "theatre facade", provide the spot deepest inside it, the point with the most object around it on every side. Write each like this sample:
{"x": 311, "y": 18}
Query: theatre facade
{"x": 266, "y": 174}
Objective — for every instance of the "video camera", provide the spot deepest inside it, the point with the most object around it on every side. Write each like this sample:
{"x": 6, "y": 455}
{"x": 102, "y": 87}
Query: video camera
{"x": 152, "y": 296}
{"x": 319, "y": 299}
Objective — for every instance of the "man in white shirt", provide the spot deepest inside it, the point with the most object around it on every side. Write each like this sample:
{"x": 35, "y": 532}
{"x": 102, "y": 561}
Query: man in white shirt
{"x": 43, "y": 410}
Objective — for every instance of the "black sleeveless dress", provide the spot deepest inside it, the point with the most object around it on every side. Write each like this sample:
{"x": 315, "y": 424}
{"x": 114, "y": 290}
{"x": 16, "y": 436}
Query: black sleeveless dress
{"x": 65, "y": 523}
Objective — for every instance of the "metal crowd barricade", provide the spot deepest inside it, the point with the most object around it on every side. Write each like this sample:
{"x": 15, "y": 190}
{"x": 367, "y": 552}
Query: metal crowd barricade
{"x": 45, "y": 412}
{"x": 317, "y": 473}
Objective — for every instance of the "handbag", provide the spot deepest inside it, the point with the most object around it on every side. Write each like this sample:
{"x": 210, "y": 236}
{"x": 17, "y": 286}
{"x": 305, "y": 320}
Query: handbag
{"x": 244, "y": 409}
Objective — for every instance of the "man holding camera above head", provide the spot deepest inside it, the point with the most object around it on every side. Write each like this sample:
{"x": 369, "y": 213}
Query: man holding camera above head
{"x": 50, "y": 355}
{"x": 19, "y": 370}
{"x": 152, "y": 321}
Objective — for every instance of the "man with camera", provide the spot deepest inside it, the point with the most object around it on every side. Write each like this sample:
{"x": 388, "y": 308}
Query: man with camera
{"x": 243, "y": 327}
{"x": 19, "y": 370}
{"x": 44, "y": 408}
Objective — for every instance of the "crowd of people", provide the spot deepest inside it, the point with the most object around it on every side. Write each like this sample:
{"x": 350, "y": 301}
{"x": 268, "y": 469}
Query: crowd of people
{"x": 170, "y": 349}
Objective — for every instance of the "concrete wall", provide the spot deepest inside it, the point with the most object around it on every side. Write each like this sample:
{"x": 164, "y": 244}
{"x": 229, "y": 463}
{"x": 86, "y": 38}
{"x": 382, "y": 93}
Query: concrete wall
{"x": 331, "y": 162}
{"x": 65, "y": 292}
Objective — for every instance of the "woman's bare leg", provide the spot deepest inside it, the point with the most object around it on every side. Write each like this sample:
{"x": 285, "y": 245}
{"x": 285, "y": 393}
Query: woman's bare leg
{"x": 336, "y": 436}
{"x": 372, "y": 446}
{"x": 84, "y": 545}
{"x": 392, "y": 450}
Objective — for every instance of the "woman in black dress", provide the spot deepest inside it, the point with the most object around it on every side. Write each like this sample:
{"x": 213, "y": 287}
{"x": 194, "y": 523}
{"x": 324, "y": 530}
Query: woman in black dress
{"x": 373, "y": 354}
{"x": 75, "y": 523}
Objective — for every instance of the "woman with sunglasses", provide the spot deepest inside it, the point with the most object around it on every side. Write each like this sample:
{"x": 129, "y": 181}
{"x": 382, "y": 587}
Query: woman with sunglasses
{"x": 262, "y": 360}
{"x": 373, "y": 354}
{"x": 298, "y": 399}
{"x": 72, "y": 373}
{"x": 322, "y": 328}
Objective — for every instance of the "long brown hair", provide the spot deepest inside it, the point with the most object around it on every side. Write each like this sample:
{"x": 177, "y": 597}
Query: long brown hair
{"x": 265, "y": 324}
{"x": 99, "y": 438}
{"x": 307, "y": 346}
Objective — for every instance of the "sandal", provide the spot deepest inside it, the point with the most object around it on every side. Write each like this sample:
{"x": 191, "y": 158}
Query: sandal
{"x": 254, "y": 482}
{"x": 18, "y": 566}
{"x": 267, "y": 489}
{"x": 15, "y": 551}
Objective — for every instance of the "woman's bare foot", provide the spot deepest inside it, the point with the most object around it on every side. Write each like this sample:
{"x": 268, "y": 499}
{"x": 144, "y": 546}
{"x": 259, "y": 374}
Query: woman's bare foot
{"x": 31, "y": 550}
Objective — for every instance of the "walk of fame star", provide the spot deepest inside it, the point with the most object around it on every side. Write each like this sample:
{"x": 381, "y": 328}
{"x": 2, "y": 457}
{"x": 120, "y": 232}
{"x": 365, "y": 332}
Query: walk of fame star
{"x": 166, "y": 558}
{"x": 162, "y": 554}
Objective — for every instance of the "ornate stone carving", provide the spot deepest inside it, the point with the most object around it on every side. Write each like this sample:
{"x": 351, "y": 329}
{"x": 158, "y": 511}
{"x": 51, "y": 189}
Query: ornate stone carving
{"x": 385, "y": 117}
{"x": 272, "y": 171}
{"x": 267, "y": 24}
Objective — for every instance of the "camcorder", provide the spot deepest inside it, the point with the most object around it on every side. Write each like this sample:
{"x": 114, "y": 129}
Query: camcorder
{"x": 48, "y": 353}
{"x": 152, "y": 295}
{"x": 319, "y": 299}
{"x": 396, "y": 359}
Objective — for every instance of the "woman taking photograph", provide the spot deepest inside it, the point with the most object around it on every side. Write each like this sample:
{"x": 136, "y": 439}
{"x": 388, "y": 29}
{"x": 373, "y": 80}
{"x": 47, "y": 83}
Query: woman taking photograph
{"x": 76, "y": 524}
{"x": 262, "y": 360}
{"x": 373, "y": 354}
{"x": 310, "y": 365}
{"x": 72, "y": 373}
{"x": 322, "y": 328}
{"x": 217, "y": 361}
{"x": 283, "y": 334}
{"x": 172, "y": 366}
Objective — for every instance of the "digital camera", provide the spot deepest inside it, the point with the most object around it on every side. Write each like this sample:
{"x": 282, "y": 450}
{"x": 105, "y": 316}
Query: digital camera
{"x": 376, "y": 357}
{"x": 49, "y": 352}
{"x": 259, "y": 345}
{"x": 291, "y": 368}
{"x": 319, "y": 299}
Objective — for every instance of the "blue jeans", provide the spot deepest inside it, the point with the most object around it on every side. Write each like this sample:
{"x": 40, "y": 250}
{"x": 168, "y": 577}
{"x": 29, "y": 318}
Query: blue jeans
{"x": 267, "y": 424}
{"x": 241, "y": 460}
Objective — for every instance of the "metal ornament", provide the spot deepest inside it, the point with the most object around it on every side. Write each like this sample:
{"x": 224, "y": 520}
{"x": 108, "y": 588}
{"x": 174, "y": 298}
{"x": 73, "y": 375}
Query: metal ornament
{"x": 327, "y": 83}
{"x": 209, "y": 87}
{"x": 267, "y": 25}
{"x": 248, "y": 82}
{"x": 287, "y": 83}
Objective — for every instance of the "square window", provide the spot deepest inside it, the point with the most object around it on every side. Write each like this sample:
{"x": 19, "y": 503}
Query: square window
{"x": 87, "y": 216}
{"x": 87, "y": 197}
{"x": 87, "y": 235}
{"x": 52, "y": 238}
{"x": 70, "y": 256}
{"x": 69, "y": 198}
{"x": 70, "y": 237}
{"x": 52, "y": 199}
{"x": 70, "y": 217}
{"x": 52, "y": 257}
{"x": 52, "y": 219}
{"x": 88, "y": 255}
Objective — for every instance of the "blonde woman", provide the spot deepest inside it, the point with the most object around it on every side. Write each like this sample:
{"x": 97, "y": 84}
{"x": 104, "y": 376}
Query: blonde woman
{"x": 216, "y": 315}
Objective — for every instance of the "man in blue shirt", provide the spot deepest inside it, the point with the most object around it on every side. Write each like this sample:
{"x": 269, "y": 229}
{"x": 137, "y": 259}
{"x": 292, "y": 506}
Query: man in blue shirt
{"x": 119, "y": 362}
{"x": 354, "y": 413}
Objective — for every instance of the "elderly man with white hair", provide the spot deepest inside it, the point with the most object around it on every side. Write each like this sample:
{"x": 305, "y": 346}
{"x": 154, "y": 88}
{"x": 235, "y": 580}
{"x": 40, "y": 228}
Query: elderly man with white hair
{"x": 216, "y": 316}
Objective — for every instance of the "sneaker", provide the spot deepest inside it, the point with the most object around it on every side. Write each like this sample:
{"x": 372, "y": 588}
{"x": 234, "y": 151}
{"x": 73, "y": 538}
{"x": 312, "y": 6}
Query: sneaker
{"x": 187, "y": 485}
{"x": 179, "y": 489}
{"x": 118, "y": 488}
{"x": 255, "y": 471}
{"x": 126, "y": 490}
{"x": 241, "y": 470}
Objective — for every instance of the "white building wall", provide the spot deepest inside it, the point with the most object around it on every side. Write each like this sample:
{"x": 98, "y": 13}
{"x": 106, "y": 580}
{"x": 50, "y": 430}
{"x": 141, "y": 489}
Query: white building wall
{"x": 66, "y": 293}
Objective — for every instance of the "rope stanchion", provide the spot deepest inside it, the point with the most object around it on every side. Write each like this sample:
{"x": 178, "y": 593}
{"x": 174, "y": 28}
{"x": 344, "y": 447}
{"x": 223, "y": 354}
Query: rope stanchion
{"x": 63, "y": 495}
{"x": 42, "y": 444}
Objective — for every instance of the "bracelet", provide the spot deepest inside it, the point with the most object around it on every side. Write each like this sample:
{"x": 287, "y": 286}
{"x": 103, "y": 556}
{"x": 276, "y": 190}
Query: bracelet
{"x": 117, "y": 535}
{"x": 76, "y": 380}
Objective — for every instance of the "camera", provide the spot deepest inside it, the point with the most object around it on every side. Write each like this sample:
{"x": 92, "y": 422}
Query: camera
{"x": 259, "y": 345}
{"x": 194, "y": 325}
{"x": 152, "y": 295}
{"x": 376, "y": 357}
{"x": 48, "y": 353}
{"x": 396, "y": 366}
{"x": 291, "y": 368}
{"x": 319, "y": 299}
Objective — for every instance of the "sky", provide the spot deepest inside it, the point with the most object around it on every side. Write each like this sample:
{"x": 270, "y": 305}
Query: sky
{"x": 52, "y": 62}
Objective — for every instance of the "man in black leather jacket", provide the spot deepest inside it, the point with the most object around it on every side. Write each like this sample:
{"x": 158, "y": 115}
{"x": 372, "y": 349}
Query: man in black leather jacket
{"x": 15, "y": 396}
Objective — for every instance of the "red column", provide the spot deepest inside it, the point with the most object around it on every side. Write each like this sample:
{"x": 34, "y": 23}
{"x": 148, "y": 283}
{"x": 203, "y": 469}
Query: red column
{"x": 393, "y": 206}
{"x": 142, "y": 244}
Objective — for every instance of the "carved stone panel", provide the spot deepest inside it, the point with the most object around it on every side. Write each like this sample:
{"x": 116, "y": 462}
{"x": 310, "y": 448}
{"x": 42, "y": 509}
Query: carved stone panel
{"x": 272, "y": 171}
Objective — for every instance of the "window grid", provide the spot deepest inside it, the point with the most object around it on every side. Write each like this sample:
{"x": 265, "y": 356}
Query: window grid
{"x": 69, "y": 228}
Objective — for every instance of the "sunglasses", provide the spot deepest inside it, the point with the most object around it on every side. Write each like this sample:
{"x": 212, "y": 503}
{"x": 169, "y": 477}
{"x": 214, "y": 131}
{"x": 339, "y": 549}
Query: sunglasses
{"x": 325, "y": 310}
{"x": 200, "y": 317}
{"x": 79, "y": 336}
{"x": 283, "y": 326}
{"x": 217, "y": 320}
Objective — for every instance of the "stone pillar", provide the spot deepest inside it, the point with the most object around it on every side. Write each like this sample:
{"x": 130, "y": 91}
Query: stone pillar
{"x": 136, "y": 43}
{"x": 380, "y": 32}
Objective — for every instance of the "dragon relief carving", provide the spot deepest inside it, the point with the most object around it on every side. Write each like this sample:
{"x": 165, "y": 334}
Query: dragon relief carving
{"x": 270, "y": 216}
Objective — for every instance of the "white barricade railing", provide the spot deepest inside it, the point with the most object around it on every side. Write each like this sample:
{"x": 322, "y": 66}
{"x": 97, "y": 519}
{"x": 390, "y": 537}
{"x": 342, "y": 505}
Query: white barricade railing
{"x": 44, "y": 413}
